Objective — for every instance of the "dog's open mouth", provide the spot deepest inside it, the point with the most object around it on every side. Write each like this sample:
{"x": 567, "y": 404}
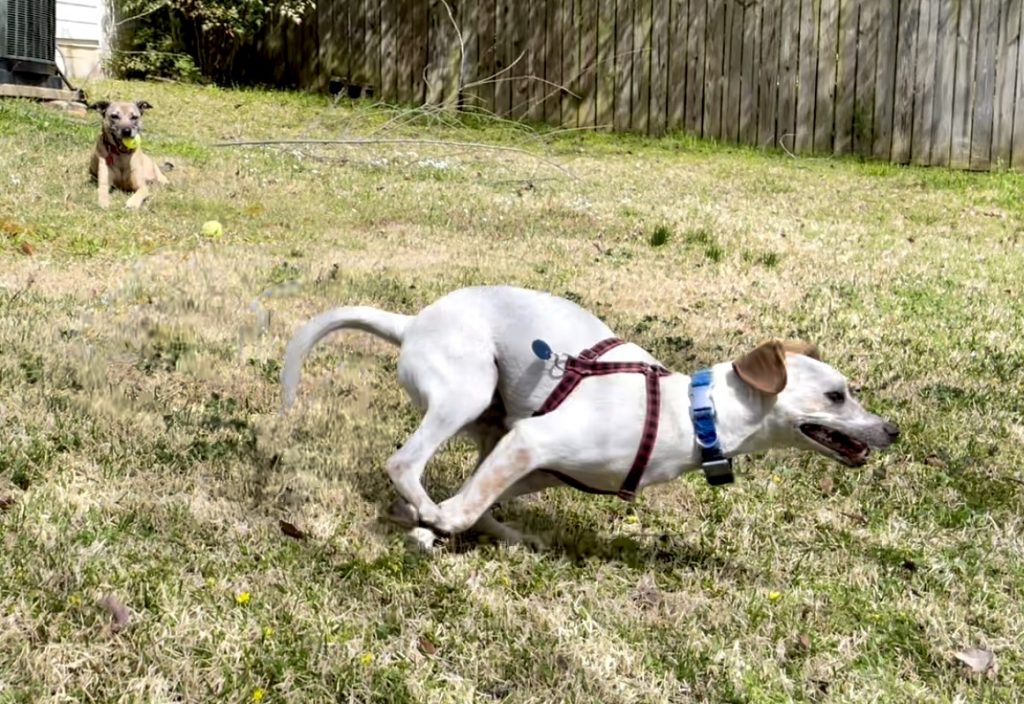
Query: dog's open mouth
{"x": 847, "y": 449}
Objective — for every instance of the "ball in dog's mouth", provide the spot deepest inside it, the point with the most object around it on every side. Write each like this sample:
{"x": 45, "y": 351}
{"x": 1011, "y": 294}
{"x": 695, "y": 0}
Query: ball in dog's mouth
{"x": 131, "y": 142}
{"x": 851, "y": 450}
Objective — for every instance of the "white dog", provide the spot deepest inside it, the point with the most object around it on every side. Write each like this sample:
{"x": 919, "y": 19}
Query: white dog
{"x": 470, "y": 362}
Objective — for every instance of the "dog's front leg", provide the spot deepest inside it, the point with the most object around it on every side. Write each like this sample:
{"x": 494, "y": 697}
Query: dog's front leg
{"x": 513, "y": 458}
{"x": 138, "y": 198}
{"x": 103, "y": 183}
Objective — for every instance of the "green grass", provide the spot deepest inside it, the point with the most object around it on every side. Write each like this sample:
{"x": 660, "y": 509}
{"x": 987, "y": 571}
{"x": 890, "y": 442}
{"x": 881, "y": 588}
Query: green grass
{"x": 141, "y": 454}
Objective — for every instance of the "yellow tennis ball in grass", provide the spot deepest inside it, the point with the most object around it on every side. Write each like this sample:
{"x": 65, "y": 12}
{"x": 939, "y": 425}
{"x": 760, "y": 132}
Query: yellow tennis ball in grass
{"x": 212, "y": 228}
{"x": 131, "y": 142}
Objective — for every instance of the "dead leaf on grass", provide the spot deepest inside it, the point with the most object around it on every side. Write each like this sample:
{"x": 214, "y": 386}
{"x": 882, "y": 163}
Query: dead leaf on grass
{"x": 646, "y": 595}
{"x": 826, "y": 486}
{"x": 119, "y": 613}
{"x": 291, "y": 530}
{"x": 6, "y": 502}
{"x": 427, "y": 646}
{"x": 28, "y": 249}
{"x": 980, "y": 660}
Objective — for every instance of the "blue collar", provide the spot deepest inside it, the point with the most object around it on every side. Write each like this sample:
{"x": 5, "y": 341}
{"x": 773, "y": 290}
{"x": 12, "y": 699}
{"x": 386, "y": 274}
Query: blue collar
{"x": 717, "y": 467}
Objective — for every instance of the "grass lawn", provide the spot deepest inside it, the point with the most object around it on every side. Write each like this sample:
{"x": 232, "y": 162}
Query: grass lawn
{"x": 141, "y": 454}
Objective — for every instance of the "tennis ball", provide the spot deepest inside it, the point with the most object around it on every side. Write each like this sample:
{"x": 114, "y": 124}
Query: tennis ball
{"x": 131, "y": 142}
{"x": 212, "y": 228}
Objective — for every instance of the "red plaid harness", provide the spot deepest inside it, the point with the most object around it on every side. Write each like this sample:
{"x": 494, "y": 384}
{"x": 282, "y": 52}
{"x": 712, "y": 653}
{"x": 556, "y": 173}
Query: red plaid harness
{"x": 586, "y": 364}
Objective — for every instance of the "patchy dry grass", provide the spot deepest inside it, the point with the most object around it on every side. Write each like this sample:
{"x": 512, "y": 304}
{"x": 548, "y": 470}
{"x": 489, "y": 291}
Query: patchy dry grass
{"x": 141, "y": 455}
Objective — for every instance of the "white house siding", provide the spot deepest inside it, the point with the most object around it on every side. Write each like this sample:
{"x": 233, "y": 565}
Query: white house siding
{"x": 79, "y": 37}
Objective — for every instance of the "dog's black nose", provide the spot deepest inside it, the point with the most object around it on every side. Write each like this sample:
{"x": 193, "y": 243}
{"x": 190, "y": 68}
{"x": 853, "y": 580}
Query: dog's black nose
{"x": 892, "y": 431}
{"x": 126, "y": 131}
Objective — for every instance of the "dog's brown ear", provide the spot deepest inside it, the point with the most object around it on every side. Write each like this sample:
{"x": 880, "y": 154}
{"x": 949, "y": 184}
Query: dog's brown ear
{"x": 764, "y": 368}
{"x": 143, "y": 105}
{"x": 100, "y": 106}
{"x": 808, "y": 349}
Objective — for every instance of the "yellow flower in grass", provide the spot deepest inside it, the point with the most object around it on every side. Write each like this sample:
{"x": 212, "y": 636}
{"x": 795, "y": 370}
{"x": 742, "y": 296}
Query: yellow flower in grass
{"x": 774, "y": 596}
{"x": 268, "y": 633}
{"x": 257, "y": 694}
{"x": 74, "y": 600}
{"x": 211, "y": 582}
{"x": 366, "y": 658}
{"x": 242, "y": 598}
{"x": 776, "y": 478}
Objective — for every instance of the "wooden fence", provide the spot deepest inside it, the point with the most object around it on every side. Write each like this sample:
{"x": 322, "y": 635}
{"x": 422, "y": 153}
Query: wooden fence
{"x": 911, "y": 81}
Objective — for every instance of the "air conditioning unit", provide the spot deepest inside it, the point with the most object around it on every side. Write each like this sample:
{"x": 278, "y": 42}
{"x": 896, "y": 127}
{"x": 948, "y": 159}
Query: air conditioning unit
{"x": 28, "y": 43}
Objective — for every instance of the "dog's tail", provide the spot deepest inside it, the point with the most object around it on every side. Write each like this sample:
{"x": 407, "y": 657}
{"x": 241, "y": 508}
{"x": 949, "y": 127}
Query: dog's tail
{"x": 390, "y": 326}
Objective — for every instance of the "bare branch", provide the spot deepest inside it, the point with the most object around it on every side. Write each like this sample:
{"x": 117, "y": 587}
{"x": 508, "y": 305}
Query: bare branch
{"x": 366, "y": 142}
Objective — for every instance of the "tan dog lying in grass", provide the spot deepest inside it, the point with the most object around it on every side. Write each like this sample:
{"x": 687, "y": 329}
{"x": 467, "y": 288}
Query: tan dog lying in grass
{"x": 466, "y": 360}
{"x": 118, "y": 159}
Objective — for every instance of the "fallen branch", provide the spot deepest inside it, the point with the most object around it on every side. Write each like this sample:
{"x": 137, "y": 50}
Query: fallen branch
{"x": 366, "y": 142}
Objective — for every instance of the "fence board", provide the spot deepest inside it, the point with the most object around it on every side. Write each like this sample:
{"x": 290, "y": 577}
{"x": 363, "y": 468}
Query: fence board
{"x": 437, "y": 51}
{"x": 924, "y": 80}
{"x": 1006, "y": 76}
{"x": 659, "y": 67}
{"x": 640, "y": 93}
{"x": 372, "y": 41}
{"x": 387, "y": 90}
{"x": 606, "y": 63}
{"x": 535, "y": 60}
{"x": 981, "y": 132}
{"x": 403, "y": 51}
{"x": 588, "y": 64}
{"x": 733, "y": 71}
{"x": 328, "y": 42}
{"x": 885, "y": 83}
{"x": 713, "y": 67}
{"x": 748, "y": 73}
{"x": 484, "y": 89}
{"x": 1017, "y": 141}
{"x": 623, "y": 63}
{"x": 789, "y": 43}
{"x": 502, "y": 60}
{"x": 420, "y": 29}
{"x": 846, "y": 76}
{"x": 469, "y": 21}
{"x": 694, "y": 108}
{"x": 808, "y": 71}
{"x": 570, "y": 63}
{"x": 676, "y": 79}
{"x": 963, "y": 92}
{"x": 767, "y": 75}
{"x": 520, "y": 55}
{"x": 357, "y": 42}
{"x": 864, "y": 94}
{"x": 903, "y": 103}
{"x": 945, "y": 70}
{"x": 824, "y": 108}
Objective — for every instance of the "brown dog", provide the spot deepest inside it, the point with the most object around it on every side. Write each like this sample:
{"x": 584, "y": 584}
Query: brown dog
{"x": 118, "y": 159}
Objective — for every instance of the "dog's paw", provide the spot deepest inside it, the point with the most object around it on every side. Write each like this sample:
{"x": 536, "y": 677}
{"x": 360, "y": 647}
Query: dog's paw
{"x": 104, "y": 203}
{"x": 403, "y": 513}
{"x": 422, "y": 539}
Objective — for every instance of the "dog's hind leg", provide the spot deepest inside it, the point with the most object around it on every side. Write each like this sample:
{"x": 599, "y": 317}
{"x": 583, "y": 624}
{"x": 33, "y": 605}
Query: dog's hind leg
{"x": 451, "y": 406}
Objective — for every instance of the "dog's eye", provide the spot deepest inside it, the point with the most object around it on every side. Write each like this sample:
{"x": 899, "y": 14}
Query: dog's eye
{"x": 836, "y": 396}
{"x": 135, "y": 118}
